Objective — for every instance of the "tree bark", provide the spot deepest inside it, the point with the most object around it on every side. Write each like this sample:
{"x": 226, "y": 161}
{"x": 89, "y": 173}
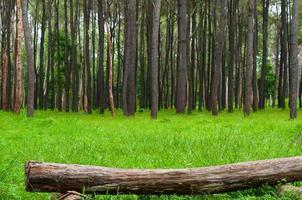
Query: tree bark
{"x": 74, "y": 63}
{"x": 219, "y": 43}
{"x": 41, "y": 69}
{"x": 88, "y": 95}
{"x": 255, "y": 78}
{"x": 262, "y": 85}
{"x": 59, "y": 80}
{"x": 182, "y": 57}
{"x": 294, "y": 62}
{"x": 110, "y": 86}
{"x": 51, "y": 177}
{"x": 129, "y": 95}
{"x": 18, "y": 60}
{"x": 100, "y": 73}
{"x": 191, "y": 67}
{"x": 232, "y": 28}
{"x": 142, "y": 100}
{"x": 155, "y": 57}
{"x": 284, "y": 56}
{"x": 4, "y": 55}
{"x": 66, "y": 62}
{"x": 30, "y": 60}
{"x": 250, "y": 49}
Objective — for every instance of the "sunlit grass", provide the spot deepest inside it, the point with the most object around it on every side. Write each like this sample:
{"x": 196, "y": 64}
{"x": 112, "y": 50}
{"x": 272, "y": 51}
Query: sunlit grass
{"x": 172, "y": 141}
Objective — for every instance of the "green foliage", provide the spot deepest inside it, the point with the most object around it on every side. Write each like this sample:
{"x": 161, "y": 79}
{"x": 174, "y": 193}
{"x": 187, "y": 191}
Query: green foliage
{"x": 270, "y": 81}
{"x": 300, "y": 38}
{"x": 172, "y": 141}
{"x": 270, "y": 75}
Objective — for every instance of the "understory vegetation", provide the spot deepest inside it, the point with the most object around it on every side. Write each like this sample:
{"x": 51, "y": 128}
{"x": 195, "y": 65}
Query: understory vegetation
{"x": 172, "y": 141}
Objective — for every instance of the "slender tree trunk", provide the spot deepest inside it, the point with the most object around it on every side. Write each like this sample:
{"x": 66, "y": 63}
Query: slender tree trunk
{"x": 74, "y": 64}
{"x": 232, "y": 28}
{"x": 277, "y": 65}
{"x": 142, "y": 100}
{"x": 51, "y": 52}
{"x": 262, "y": 85}
{"x": 93, "y": 35}
{"x": 119, "y": 70}
{"x": 219, "y": 43}
{"x": 41, "y": 69}
{"x": 5, "y": 55}
{"x": 154, "y": 57}
{"x": 30, "y": 60}
{"x": 255, "y": 79}
{"x": 294, "y": 61}
{"x": 249, "y": 68}
{"x": 129, "y": 96}
{"x": 66, "y": 57}
{"x": 182, "y": 57}
{"x": 191, "y": 67}
{"x": 110, "y": 86}
{"x": 100, "y": 76}
{"x": 88, "y": 96}
{"x": 59, "y": 80}
{"x": 35, "y": 54}
{"x": 284, "y": 56}
{"x": 18, "y": 60}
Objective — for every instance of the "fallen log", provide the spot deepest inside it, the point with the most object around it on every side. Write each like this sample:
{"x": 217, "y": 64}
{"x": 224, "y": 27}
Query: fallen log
{"x": 51, "y": 177}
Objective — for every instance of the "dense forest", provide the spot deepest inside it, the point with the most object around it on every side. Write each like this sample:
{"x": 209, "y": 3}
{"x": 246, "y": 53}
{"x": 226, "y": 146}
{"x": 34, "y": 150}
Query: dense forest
{"x": 134, "y": 55}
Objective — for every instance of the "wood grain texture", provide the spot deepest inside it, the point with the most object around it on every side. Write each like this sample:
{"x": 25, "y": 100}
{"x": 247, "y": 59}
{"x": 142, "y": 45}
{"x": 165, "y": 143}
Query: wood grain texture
{"x": 51, "y": 177}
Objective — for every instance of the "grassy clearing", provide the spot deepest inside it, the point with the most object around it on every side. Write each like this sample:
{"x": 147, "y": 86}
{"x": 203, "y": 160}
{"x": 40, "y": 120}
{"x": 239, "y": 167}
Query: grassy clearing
{"x": 173, "y": 141}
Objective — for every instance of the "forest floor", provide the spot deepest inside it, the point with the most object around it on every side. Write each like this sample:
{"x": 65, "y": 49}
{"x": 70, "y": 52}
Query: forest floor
{"x": 172, "y": 141}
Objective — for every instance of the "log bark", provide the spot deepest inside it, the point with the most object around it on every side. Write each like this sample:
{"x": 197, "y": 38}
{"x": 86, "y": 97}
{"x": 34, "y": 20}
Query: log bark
{"x": 51, "y": 177}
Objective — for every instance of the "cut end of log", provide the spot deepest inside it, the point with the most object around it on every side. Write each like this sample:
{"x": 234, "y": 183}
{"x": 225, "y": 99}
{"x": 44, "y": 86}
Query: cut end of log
{"x": 28, "y": 166}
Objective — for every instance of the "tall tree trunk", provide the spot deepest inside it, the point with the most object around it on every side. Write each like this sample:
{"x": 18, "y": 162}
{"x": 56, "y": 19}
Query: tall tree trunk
{"x": 110, "y": 83}
{"x": 232, "y": 28}
{"x": 66, "y": 57}
{"x": 129, "y": 58}
{"x": 41, "y": 69}
{"x": 59, "y": 80}
{"x": 239, "y": 63}
{"x": 154, "y": 57}
{"x": 277, "y": 63}
{"x": 30, "y": 60}
{"x": 18, "y": 60}
{"x": 262, "y": 86}
{"x": 182, "y": 57}
{"x": 191, "y": 67}
{"x": 88, "y": 96}
{"x": 100, "y": 74}
{"x": 250, "y": 58}
{"x": 294, "y": 61}
{"x": 284, "y": 56}
{"x": 74, "y": 63}
{"x": 51, "y": 53}
{"x": 142, "y": 100}
{"x": 255, "y": 79}
{"x": 119, "y": 70}
{"x": 93, "y": 35}
{"x": 219, "y": 47}
{"x": 5, "y": 54}
{"x": 35, "y": 54}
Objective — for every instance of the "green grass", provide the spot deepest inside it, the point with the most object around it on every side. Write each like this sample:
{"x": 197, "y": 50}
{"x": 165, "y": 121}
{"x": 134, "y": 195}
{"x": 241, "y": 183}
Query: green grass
{"x": 172, "y": 141}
